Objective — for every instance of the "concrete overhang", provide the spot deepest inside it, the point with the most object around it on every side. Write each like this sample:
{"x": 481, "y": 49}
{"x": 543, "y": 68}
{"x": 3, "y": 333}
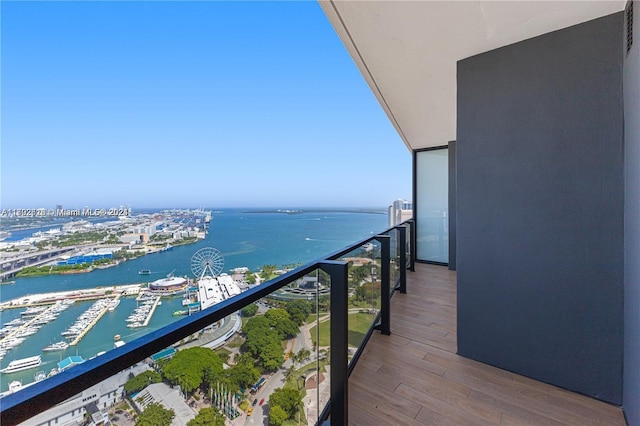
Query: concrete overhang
{"x": 407, "y": 50}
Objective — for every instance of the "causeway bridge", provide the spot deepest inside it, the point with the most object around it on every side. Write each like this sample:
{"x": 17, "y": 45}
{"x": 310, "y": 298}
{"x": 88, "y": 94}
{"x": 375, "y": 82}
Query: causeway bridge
{"x": 11, "y": 266}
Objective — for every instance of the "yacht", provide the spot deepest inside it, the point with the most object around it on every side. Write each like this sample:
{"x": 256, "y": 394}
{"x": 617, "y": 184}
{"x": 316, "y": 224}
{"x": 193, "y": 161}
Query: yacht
{"x": 113, "y": 305}
{"x": 55, "y": 347}
{"x": 22, "y": 364}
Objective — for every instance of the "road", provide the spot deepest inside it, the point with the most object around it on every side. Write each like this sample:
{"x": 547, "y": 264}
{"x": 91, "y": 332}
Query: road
{"x": 260, "y": 414}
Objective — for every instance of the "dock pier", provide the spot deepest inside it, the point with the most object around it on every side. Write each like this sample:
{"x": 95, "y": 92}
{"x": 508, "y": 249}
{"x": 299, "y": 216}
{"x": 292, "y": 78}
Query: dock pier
{"x": 150, "y": 314}
{"x": 89, "y": 326}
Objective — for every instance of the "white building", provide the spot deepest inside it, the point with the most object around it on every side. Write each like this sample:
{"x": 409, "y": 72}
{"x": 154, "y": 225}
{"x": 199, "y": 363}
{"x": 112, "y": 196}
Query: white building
{"x": 105, "y": 395}
{"x": 400, "y": 211}
{"x": 169, "y": 398}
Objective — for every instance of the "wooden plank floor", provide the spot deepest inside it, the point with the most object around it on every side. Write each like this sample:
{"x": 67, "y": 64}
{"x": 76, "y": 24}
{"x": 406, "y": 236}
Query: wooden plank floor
{"x": 414, "y": 376}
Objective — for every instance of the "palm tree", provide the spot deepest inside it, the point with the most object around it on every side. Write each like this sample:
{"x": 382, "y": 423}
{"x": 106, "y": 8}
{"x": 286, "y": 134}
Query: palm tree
{"x": 301, "y": 356}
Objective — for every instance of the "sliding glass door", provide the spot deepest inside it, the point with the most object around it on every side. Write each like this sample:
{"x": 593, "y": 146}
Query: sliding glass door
{"x": 432, "y": 205}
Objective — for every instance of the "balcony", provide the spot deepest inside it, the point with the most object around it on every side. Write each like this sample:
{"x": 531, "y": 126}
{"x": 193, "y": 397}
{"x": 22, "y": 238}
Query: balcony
{"x": 411, "y": 375}
{"x": 414, "y": 377}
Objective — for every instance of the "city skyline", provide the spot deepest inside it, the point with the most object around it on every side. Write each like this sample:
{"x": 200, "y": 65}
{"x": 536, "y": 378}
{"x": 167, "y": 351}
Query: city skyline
{"x": 213, "y": 104}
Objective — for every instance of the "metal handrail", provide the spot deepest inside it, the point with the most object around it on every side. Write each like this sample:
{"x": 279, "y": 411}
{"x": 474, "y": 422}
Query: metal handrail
{"x": 20, "y": 406}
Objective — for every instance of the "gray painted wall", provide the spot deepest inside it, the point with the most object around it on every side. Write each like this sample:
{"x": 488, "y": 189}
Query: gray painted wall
{"x": 540, "y": 208}
{"x": 631, "y": 78}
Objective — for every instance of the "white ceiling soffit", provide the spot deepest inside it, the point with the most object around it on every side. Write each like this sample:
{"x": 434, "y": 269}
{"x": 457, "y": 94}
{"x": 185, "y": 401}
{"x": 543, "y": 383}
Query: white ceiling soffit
{"x": 407, "y": 50}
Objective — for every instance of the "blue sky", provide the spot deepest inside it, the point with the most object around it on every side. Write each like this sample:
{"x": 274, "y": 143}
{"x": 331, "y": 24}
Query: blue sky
{"x": 217, "y": 104}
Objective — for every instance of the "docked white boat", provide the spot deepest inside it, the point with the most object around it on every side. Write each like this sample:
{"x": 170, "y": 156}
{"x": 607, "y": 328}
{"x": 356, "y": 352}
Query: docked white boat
{"x": 15, "y": 386}
{"x": 22, "y": 364}
{"x": 113, "y": 305}
{"x": 56, "y": 347}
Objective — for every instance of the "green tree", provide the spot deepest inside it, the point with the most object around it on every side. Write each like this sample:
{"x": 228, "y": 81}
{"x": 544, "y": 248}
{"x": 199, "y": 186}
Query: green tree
{"x": 299, "y": 310}
{"x": 301, "y": 356}
{"x": 249, "y": 310}
{"x": 207, "y": 417}
{"x": 189, "y": 368}
{"x": 287, "y": 398}
{"x": 277, "y": 415}
{"x": 260, "y": 322}
{"x": 275, "y": 315}
{"x": 155, "y": 415}
{"x": 268, "y": 272}
{"x": 243, "y": 374}
{"x": 271, "y": 357}
{"x": 141, "y": 381}
{"x": 287, "y": 329}
{"x": 249, "y": 277}
{"x": 359, "y": 273}
{"x": 263, "y": 341}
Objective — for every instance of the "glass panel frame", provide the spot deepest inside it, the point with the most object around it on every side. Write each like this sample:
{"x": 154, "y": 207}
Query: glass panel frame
{"x": 432, "y": 205}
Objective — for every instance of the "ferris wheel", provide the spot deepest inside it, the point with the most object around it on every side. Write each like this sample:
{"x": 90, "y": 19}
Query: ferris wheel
{"x": 206, "y": 260}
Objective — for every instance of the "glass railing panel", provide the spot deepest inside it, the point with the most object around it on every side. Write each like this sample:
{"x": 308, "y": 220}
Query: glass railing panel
{"x": 364, "y": 293}
{"x": 312, "y": 372}
{"x": 408, "y": 246}
{"x": 394, "y": 258}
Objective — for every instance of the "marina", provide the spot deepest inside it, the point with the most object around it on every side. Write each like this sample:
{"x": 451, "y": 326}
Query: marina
{"x": 141, "y": 316}
{"x": 31, "y": 320}
{"x": 88, "y": 320}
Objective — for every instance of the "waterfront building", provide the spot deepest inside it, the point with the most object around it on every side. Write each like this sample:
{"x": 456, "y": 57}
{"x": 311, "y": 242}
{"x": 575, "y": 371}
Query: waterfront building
{"x": 133, "y": 238}
{"x": 69, "y": 362}
{"x": 212, "y": 290}
{"x": 168, "y": 284}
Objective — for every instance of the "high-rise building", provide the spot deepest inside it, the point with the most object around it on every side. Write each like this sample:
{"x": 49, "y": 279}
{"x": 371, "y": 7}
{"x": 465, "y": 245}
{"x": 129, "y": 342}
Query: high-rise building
{"x": 400, "y": 211}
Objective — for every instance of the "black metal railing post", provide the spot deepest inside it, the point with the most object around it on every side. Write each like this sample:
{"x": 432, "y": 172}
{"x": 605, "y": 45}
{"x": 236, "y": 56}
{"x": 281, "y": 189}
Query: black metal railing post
{"x": 412, "y": 244}
{"x": 339, "y": 273}
{"x": 402, "y": 234}
{"x": 385, "y": 284}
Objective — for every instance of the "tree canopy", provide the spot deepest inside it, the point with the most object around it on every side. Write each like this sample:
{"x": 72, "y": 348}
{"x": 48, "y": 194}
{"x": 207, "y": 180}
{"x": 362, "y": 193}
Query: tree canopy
{"x": 268, "y": 272}
{"x": 277, "y": 415}
{"x": 155, "y": 415}
{"x": 141, "y": 381}
{"x": 207, "y": 417}
{"x": 287, "y": 398}
{"x": 275, "y": 315}
{"x": 264, "y": 342}
{"x": 243, "y": 374}
{"x": 250, "y": 277}
{"x": 299, "y": 310}
{"x": 249, "y": 310}
{"x": 189, "y": 368}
